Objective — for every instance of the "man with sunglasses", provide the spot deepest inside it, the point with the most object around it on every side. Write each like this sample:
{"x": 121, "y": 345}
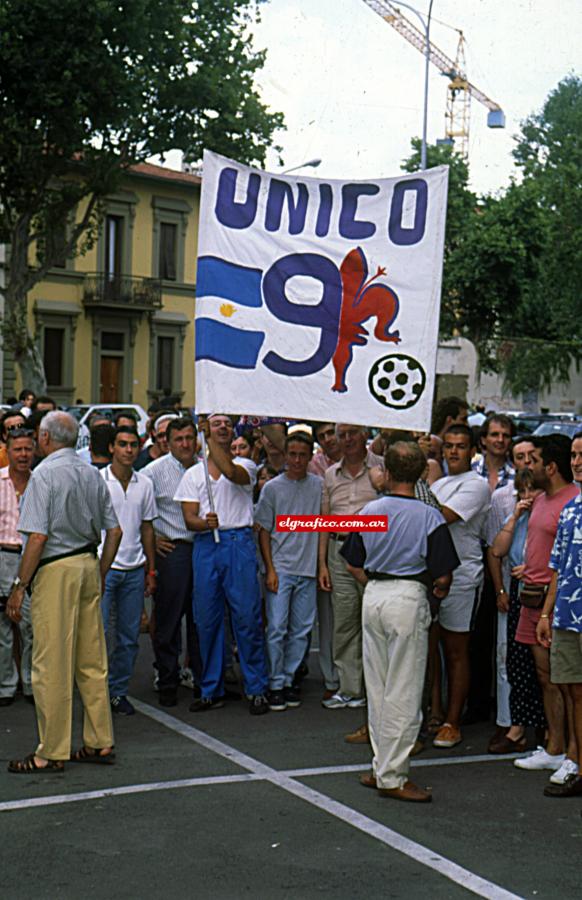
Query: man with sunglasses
{"x": 159, "y": 442}
{"x": 13, "y": 482}
{"x": 13, "y": 418}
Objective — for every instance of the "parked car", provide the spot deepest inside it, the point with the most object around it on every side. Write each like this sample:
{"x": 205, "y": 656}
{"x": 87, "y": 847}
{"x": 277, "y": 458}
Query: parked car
{"x": 109, "y": 410}
{"x": 526, "y": 423}
{"x": 568, "y": 426}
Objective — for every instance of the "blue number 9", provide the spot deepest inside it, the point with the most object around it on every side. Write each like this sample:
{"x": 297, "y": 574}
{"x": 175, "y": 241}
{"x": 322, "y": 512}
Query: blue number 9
{"x": 325, "y": 315}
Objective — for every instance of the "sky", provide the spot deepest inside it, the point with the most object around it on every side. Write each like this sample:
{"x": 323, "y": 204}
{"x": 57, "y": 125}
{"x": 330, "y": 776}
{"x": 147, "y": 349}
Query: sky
{"x": 351, "y": 87}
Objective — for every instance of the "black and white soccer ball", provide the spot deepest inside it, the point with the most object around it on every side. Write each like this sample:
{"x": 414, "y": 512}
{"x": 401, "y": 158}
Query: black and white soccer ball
{"x": 397, "y": 381}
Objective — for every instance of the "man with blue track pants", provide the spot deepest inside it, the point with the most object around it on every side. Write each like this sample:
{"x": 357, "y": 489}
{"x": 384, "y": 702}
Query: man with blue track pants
{"x": 226, "y": 570}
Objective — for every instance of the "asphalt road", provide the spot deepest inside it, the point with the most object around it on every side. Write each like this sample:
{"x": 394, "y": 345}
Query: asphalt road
{"x": 225, "y": 805}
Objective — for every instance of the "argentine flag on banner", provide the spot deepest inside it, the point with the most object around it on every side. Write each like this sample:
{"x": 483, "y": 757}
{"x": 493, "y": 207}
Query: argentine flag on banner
{"x": 319, "y": 299}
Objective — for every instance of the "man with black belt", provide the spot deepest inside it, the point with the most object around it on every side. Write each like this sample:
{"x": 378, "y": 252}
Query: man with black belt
{"x": 399, "y": 568}
{"x": 173, "y": 595}
{"x": 64, "y": 510}
{"x": 14, "y": 480}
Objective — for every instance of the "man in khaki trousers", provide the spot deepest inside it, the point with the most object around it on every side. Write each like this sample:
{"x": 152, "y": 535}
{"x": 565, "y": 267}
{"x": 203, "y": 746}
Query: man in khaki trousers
{"x": 347, "y": 486}
{"x": 64, "y": 511}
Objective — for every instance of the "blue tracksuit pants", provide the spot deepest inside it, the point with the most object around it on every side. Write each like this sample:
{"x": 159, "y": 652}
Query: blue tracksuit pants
{"x": 228, "y": 571}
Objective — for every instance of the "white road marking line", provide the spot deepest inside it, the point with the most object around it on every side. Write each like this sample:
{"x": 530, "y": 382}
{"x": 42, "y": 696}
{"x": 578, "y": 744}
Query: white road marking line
{"x": 57, "y": 799}
{"x": 146, "y": 787}
{"x": 420, "y": 763}
{"x": 416, "y": 852}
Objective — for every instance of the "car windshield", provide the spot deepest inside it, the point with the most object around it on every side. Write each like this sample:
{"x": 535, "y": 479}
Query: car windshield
{"x": 568, "y": 428}
{"x": 77, "y": 411}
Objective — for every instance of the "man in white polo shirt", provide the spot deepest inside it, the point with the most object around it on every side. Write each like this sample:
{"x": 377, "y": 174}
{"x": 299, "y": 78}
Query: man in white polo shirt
{"x": 225, "y": 570}
{"x": 465, "y": 499}
{"x": 132, "y": 496}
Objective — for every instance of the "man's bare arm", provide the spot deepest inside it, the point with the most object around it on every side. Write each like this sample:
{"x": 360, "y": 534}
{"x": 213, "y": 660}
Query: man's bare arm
{"x": 449, "y": 515}
{"x": 223, "y": 460}
{"x": 195, "y": 522}
{"x": 110, "y": 547}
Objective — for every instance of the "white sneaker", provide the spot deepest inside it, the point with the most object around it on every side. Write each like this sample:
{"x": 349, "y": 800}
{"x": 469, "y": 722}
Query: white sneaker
{"x": 539, "y": 759}
{"x": 357, "y": 702}
{"x": 186, "y": 677}
{"x": 568, "y": 767}
{"x": 337, "y": 701}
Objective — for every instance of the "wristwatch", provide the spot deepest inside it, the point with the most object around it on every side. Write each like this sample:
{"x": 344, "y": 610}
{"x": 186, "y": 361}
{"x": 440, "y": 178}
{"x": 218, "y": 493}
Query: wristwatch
{"x": 18, "y": 582}
{"x": 501, "y": 591}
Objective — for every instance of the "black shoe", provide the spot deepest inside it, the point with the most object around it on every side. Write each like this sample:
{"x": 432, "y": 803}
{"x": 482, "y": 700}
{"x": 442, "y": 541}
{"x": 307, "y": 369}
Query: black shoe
{"x": 258, "y": 705}
{"x": 276, "y": 701}
{"x": 122, "y": 706}
{"x": 292, "y": 696}
{"x": 300, "y": 674}
{"x": 168, "y": 697}
{"x": 232, "y": 695}
{"x": 196, "y": 692}
{"x": 6, "y": 701}
{"x": 205, "y": 704}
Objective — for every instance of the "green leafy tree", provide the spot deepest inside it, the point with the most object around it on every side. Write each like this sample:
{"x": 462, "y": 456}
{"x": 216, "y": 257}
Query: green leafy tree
{"x": 456, "y": 314}
{"x": 549, "y": 154}
{"x": 89, "y": 89}
{"x": 512, "y": 280}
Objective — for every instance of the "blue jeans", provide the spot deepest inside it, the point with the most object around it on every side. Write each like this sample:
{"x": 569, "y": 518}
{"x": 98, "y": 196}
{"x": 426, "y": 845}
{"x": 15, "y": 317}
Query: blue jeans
{"x": 228, "y": 571}
{"x": 290, "y": 618}
{"x": 124, "y": 590}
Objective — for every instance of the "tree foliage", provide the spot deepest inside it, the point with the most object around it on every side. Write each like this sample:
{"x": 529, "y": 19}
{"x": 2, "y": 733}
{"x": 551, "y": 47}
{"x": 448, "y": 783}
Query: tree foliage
{"x": 512, "y": 279}
{"x": 87, "y": 90}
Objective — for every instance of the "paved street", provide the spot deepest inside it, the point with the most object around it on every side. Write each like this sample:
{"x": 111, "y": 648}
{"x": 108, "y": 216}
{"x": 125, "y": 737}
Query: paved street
{"x": 222, "y": 805}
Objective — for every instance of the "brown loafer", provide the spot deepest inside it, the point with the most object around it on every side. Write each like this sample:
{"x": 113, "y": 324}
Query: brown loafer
{"x": 368, "y": 779}
{"x": 409, "y": 792}
{"x": 506, "y": 744}
{"x": 417, "y": 748}
{"x": 359, "y": 736}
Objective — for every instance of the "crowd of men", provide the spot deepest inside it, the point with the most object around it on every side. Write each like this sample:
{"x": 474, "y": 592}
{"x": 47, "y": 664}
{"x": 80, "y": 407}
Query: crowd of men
{"x": 472, "y": 600}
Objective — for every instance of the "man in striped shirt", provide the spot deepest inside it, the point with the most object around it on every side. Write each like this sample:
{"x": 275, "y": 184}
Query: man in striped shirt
{"x": 65, "y": 508}
{"x": 13, "y": 482}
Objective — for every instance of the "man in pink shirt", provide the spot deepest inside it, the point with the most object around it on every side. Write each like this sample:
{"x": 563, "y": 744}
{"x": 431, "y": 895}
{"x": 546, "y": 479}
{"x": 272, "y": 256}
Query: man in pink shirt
{"x": 330, "y": 452}
{"x": 550, "y": 464}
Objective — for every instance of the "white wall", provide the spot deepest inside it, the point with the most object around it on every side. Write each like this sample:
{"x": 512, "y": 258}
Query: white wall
{"x": 459, "y": 357}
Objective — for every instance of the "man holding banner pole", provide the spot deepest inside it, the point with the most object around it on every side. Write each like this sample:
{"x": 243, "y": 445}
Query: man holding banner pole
{"x": 227, "y": 569}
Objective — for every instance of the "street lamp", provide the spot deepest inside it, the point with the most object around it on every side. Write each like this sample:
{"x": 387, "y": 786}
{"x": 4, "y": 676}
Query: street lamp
{"x": 426, "y": 26}
{"x": 314, "y": 163}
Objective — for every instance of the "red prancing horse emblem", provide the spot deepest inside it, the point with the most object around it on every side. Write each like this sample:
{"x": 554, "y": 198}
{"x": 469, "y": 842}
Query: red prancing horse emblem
{"x": 361, "y": 300}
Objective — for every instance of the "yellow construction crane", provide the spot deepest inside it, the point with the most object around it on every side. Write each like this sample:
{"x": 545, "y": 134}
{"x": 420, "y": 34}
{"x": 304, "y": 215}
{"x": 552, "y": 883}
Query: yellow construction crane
{"x": 459, "y": 91}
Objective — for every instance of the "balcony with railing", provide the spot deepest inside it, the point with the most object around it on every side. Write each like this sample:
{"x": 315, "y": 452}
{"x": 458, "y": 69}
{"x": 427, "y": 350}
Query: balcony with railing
{"x": 124, "y": 293}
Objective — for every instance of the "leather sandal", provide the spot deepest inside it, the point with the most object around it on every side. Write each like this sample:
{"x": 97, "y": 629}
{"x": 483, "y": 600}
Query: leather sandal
{"x": 28, "y": 766}
{"x": 95, "y": 756}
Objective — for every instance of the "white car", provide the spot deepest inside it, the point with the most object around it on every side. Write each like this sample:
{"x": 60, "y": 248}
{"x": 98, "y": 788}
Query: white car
{"x": 108, "y": 410}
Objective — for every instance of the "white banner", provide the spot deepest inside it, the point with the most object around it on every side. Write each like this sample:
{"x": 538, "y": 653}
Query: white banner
{"x": 319, "y": 299}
